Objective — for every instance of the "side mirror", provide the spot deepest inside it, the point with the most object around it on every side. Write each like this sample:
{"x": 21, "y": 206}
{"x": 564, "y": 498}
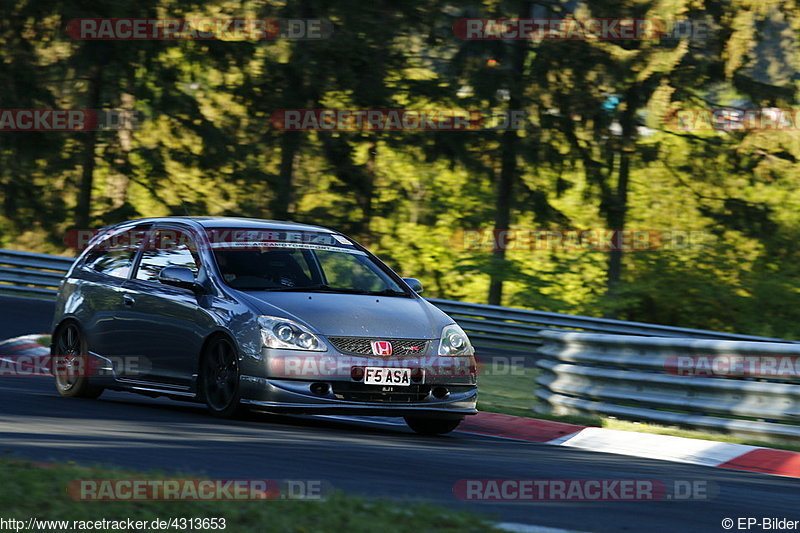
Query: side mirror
{"x": 414, "y": 284}
{"x": 179, "y": 277}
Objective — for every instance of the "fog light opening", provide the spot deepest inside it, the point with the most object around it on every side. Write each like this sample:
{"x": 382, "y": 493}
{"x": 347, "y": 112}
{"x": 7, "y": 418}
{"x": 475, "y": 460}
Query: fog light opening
{"x": 440, "y": 393}
{"x": 320, "y": 389}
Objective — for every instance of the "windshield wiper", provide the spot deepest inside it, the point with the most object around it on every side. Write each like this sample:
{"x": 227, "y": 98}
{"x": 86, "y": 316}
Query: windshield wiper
{"x": 327, "y": 288}
{"x": 321, "y": 287}
{"x": 386, "y": 292}
{"x": 304, "y": 288}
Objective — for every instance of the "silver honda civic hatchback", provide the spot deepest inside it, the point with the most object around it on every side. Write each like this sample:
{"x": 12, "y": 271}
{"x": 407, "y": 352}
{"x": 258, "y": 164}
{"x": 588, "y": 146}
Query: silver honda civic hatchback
{"x": 276, "y": 316}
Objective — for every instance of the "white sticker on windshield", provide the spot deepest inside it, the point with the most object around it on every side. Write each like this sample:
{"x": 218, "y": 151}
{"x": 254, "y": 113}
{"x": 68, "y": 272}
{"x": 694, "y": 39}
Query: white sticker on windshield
{"x": 272, "y": 244}
{"x": 342, "y": 239}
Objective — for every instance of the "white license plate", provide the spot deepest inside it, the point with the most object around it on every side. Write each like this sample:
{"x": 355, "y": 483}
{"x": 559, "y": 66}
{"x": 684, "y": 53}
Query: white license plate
{"x": 376, "y": 375}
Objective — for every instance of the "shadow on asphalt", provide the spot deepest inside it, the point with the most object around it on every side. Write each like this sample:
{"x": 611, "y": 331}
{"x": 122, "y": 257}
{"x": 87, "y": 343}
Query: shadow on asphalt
{"x": 121, "y": 407}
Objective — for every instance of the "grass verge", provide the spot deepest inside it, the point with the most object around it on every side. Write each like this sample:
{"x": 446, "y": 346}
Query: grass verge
{"x": 45, "y": 340}
{"x": 39, "y": 491}
{"x": 512, "y": 394}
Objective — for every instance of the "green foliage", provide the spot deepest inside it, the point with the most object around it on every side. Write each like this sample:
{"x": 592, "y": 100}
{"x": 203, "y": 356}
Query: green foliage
{"x": 208, "y": 146}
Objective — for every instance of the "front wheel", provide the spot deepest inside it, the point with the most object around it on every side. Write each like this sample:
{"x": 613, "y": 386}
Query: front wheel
{"x": 69, "y": 361}
{"x": 432, "y": 426}
{"x": 219, "y": 378}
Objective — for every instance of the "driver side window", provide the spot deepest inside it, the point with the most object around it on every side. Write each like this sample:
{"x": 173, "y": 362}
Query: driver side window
{"x": 167, "y": 247}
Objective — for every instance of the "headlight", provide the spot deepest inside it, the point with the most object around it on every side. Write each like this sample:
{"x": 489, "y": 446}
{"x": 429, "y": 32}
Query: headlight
{"x": 454, "y": 341}
{"x": 279, "y": 332}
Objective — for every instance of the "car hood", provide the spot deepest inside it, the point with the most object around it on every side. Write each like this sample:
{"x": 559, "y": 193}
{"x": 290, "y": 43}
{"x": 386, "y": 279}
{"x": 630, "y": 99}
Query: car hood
{"x": 354, "y": 315}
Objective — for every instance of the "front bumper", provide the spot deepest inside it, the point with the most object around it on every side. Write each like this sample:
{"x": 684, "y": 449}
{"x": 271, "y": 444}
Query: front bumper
{"x": 343, "y": 397}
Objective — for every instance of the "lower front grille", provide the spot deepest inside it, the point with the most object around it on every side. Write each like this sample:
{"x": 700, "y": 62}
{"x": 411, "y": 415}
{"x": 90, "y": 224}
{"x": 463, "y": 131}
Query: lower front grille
{"x": 358, "y": 392}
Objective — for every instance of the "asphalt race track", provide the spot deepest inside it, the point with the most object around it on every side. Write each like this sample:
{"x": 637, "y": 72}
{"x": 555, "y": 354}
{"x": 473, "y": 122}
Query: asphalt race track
{"x": 20, "y": 316}
{"x": 357, "y": 457}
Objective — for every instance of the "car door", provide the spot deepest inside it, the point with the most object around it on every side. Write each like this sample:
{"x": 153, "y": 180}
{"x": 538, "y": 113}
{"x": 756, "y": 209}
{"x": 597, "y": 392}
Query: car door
{"x": 165, "y": 325}
{"x": 99, "y": 279}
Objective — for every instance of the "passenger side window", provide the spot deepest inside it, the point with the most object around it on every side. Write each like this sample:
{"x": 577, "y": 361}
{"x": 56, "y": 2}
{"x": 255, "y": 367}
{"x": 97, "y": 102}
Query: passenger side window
{"x": 113, "y": 254}
{"x": 345, "y": 270}
{"x": 168, "y": 247}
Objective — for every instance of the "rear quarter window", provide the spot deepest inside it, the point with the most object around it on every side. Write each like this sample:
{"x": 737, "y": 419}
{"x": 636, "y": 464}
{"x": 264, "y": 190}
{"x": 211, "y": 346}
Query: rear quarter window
{"x": 113, "y": 254}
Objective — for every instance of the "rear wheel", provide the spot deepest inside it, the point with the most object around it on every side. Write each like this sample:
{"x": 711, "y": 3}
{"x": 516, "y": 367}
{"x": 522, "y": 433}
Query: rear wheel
{"x": 70, "y": 363}
{"x": 432, "y": 426}
{"x": 219, "y": 378}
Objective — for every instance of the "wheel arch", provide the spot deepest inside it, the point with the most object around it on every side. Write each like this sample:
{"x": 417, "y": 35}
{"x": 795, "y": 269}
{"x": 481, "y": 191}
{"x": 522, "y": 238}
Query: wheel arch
{"x": 211, "y": 337}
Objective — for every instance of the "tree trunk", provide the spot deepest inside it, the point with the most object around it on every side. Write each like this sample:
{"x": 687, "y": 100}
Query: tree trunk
{"x": 618, "y": 206}
{"x": 502, "y": 206}
{"x": 84, "y": 201}
{"x": 298, "y": 94}
{"x": 508, "y": 164}
{"x": 283, "y": 206}
{"x": 616, "y": 218}
{"x": 370, "y": 170}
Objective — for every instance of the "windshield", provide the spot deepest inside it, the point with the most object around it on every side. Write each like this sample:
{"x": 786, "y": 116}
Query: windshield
{"x": 301, "y": 262}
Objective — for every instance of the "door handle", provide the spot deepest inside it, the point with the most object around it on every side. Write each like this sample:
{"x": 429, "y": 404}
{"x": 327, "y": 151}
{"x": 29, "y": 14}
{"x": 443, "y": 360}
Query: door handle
{"x": 128, "y": 300}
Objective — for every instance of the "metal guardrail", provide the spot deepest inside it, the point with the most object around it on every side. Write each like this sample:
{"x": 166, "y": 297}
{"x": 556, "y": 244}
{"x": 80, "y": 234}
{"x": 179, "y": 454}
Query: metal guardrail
{"x": 511, "y": 328}
{"x": 488, "y": 325}
{"x": 25, "y": 272}
{"x": 640, "y": 378}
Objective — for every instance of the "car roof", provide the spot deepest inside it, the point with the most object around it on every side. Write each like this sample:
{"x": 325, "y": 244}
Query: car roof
{"x": 237, "y": 223}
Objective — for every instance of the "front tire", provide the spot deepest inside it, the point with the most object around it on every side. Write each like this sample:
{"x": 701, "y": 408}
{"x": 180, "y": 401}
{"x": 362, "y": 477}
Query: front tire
{"x": 69, "y": 358}
{"x": 219, "y": 378}
{"x": 432, "y": 426}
